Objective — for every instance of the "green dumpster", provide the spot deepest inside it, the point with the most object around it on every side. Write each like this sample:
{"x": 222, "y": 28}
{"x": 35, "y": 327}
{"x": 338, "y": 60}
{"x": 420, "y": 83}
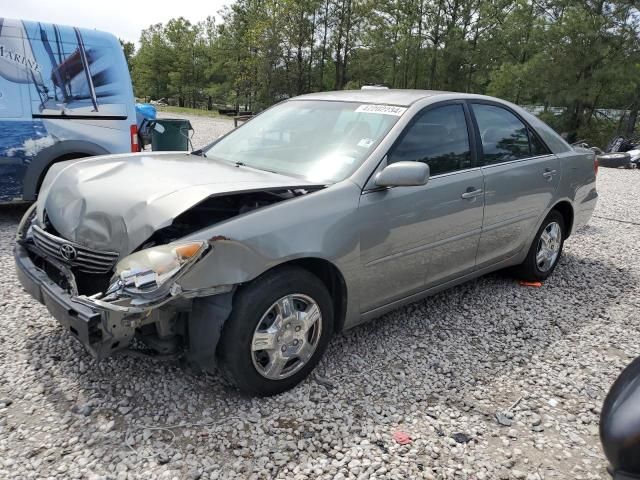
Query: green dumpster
{"x": 169, "y": 134}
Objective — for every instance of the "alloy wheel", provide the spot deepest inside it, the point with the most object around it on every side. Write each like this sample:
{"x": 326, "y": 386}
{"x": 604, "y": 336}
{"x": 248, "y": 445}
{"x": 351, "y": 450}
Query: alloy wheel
{"x": 549, "y": 247}
{"x": 286, "y": 336}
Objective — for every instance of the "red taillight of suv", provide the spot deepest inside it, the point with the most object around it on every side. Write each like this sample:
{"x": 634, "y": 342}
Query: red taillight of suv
{"x": 595, "y": 164}
{"x": 135, "y": 146}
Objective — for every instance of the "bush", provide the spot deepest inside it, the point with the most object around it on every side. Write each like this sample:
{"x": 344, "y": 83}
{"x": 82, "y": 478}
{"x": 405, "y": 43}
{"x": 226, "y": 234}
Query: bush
{"x": 598, "y": 132}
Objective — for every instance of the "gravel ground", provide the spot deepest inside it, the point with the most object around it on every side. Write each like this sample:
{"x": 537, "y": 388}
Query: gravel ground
{"x": 205, "y": 129}
{"x": 490, "y": 380}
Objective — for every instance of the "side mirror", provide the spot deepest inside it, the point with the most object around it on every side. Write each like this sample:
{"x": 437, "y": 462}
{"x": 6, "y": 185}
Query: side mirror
{"x": 403, "y": 174}
{"x": 158, "y": 128}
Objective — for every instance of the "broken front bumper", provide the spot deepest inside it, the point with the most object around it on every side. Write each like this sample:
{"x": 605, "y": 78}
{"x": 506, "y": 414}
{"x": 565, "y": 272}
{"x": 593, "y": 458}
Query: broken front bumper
{"x": 102, "y": 325}
{"x": 104, "y": 322}
{"x": 99, "y": 329}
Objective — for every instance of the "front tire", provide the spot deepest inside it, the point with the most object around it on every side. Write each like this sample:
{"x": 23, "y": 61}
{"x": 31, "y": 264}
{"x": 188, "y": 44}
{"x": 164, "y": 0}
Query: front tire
{"x": 545, "y": 251}
{"x": 279, "y": 327}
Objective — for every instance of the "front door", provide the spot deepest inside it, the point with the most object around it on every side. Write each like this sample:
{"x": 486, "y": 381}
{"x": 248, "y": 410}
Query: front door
{"x": 520, "y": 177}
{"x": 414, "y": 237}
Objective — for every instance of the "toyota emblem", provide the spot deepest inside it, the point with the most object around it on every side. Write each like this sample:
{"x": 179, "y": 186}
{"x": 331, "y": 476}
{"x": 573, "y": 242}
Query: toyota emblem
{"x": 68, "y": 251}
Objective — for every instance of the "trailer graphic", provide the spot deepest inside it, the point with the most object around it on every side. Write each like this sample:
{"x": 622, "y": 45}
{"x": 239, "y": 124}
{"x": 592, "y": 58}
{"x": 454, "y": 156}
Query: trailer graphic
{"x": 65, "y": 92}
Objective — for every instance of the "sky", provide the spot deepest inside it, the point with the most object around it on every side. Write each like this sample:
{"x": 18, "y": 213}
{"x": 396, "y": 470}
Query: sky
{"x": 124, "y": 18}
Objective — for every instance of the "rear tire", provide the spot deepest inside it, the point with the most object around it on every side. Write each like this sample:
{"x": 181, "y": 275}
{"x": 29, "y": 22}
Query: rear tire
{"x": 614, "y": 160}
{"x": 278, "y": 330}
{"x": 545, "y": 251}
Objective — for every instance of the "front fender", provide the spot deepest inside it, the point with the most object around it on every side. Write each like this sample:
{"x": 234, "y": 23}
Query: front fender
{"x": 228, "y": 263}
{"x": 322, "y": 225}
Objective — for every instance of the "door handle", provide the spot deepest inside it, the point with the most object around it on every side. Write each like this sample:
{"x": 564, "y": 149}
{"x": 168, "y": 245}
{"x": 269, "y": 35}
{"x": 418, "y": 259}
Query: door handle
{"x": 548, "y": 174}
{"x": 471, "y": 193}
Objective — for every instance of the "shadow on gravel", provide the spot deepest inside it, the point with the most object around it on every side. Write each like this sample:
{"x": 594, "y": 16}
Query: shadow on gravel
{"x": 431, "y": 351}
{"x": 463, "y": 354}
{"x": 448, "y": 354}
{"x": 12, "y": 213}
{"x": 481, "y": 331}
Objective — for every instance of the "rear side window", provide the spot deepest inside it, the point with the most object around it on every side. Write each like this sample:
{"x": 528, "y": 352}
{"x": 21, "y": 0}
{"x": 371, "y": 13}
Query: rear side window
{"x": 437, "y": 137}
{"x": 537, "y": 147}
{"x": 504, "y": 136}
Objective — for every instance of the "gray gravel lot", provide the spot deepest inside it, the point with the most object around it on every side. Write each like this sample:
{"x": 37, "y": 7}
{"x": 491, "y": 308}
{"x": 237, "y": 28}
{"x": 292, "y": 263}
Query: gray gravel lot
{"x": 205, "y": 129}
{"x": 439, "y": 370}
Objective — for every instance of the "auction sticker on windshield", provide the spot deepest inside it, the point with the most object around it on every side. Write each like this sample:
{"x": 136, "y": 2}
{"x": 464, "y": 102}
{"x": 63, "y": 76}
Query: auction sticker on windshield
{"x": 383, "y": 109}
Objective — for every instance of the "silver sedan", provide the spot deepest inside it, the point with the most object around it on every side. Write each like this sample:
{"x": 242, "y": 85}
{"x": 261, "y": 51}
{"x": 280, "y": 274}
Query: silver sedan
{"x": 323, "y": 212}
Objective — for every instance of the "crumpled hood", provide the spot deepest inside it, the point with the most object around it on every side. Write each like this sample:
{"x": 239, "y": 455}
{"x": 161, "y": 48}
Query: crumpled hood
{"x": 117, "y": 202}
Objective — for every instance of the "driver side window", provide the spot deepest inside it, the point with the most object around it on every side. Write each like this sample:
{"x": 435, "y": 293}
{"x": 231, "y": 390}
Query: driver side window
{"x": 437, "y": 137}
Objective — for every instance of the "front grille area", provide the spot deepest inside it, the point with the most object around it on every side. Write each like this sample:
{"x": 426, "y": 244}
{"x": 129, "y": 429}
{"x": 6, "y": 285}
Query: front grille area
{"x": 82, "y": 258}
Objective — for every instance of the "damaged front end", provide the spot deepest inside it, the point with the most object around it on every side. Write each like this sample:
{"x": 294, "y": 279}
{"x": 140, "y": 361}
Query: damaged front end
{"x": 143, "y": 297}
{"x": 171, "y": 291}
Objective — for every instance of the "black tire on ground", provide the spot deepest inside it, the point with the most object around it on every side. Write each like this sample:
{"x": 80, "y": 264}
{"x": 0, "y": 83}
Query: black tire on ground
{"x": 529, "y": 269}
{"x": 250, "y": 302}
{"x": 614, "y": 160}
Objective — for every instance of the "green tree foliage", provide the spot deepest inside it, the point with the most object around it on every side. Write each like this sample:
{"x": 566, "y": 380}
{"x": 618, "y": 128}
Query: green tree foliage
{"x": 580, "y": 55}
{"x": 128, "y": 48}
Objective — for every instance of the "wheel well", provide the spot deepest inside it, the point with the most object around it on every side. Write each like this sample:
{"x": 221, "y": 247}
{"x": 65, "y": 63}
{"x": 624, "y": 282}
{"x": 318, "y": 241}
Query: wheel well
{"x": 333, "y": 280}
{"x": 61, "y": 158}
{"x": 566, "y": 210}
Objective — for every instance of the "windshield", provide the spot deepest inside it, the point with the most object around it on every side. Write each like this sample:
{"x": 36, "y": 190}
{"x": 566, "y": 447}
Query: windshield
{"x": 321, "y": 141}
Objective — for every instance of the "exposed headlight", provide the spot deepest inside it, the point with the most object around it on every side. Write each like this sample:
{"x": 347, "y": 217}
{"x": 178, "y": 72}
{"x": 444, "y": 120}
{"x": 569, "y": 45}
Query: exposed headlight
{"x": 148, "y": 269}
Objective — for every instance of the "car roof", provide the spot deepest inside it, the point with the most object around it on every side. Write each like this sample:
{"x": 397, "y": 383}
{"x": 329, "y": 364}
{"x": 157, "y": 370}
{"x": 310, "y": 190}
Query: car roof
{"x": 406, "y": 97}
{"x": 399, "y": 97}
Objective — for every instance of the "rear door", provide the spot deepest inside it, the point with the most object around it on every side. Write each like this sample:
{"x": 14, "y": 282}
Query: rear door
{"x": 520, "y": 178}
{"x": 412, "y": 237}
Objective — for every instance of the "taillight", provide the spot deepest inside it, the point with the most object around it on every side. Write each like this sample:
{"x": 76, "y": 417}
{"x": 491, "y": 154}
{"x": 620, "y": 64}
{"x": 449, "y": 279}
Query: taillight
{"x": 135, "y": 147}
{"x": 595, "y": 164}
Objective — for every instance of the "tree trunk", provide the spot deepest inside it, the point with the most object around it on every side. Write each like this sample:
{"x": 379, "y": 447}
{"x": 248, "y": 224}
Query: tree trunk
{"x": 299, "y": 70}
{"x": 339, "y": 48}
{"x": 525, "y": 53}
{"x": 311, "y": 42}
{"x": 405, "y": 72}
{"x": 418, "y": 46}
{"x": 577, "y": 114}
{"x": 575, "y": 120}
{"x": 450, "y": 68}
{"x": 342, "y": 49}
{"x": 288, "y": 70}
{"x": 347, "y": 47}
{"x": 436, "y": 42}
{"x": 634, "y": 111}
{"x": 323, "y": 55}
{"x": 474, "y": 45}
{"x": 630, "y": 124}
{"x": 395, "y": 55}
{"x": 299, "y": 56}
